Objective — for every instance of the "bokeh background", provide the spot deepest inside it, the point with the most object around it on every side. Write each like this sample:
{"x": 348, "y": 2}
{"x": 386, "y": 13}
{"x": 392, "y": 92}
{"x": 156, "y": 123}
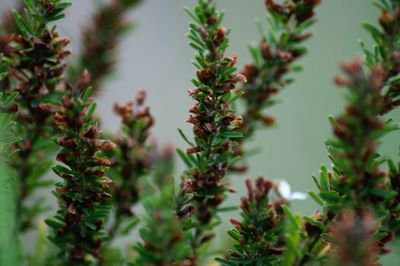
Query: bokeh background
{"x": 155, "y": 57}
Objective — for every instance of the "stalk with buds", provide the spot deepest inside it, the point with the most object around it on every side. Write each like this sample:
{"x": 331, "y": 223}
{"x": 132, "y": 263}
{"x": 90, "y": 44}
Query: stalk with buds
{"x": 131, "y": 160}
{"x": 273, "y": 61}
{"x": 84, "y": 195}
{"x": 100, "y": 40}
{"x": 37, "y": 64}
{"x": 216, "y": 127}
{"x": 259, "y": 236}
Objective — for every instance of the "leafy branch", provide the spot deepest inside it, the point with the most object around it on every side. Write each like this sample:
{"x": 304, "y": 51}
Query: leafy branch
{"x": 215, "y": 125}
{"x": 273, "y": 61}
{"x": 131, "y": 160}
{"x": 100, "y": 40}
{"x": 37, "y": 64}
{"x": 85, "y": 193}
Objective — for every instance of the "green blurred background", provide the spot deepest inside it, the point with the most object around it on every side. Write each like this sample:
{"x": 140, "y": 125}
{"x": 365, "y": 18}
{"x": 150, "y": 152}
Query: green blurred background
{"x": 156, "y": 57}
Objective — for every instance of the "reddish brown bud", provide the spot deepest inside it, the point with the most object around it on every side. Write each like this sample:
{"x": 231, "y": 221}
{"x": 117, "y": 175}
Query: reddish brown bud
{"x": 140, "y": 97}
{"x": 353, "y": 67}
{"x": 237, "y": 77}
{"x": 101, "y": 162}
{"x": 49, "y": 107}
{"x": 235, "y": 223}
{"x": 267, "y": 120}
{"x": 265, "y": 50}
{"x": 271, "y": 5}
{"x": 67, "y": 142}
{"x": 66, "y": 102}
{"x": 233, "y": 60}
{"x": 205, "y": 75}
{"x": 90, "y": 133}
{"x": 250, "y": 72}
{"x": 58, "y": 119}
{"x": 192, "y": 150}
{"x": 84, "y": 80}
{"x": 341, "y": 82}
{"x": 311, "y": 3}
{"x": 62, "y": 157}
{"x": 105, "y": 145}
{"x": 219, "y": 34}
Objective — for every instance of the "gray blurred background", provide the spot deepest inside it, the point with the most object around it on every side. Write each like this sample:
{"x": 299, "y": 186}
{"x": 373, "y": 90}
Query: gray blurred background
{"x": 155, "y": 57}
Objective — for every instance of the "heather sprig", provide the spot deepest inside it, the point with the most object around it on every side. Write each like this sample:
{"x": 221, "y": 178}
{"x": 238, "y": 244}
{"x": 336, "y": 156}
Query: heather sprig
{"x": 386, "y": 52}
{"x": 274, "y": 60}
{"x": 258, "y": 237}
{"x": 215, "y": 125}
{"x": 84, "y": 194}
{"x": 353, "y": 235}
{"x": 165, "y": 242}
{"x": 357, "y": 180}
{"x": 37, "y": 64}
{"x": 100, "y": 40}
{"x": 131, "y": 160}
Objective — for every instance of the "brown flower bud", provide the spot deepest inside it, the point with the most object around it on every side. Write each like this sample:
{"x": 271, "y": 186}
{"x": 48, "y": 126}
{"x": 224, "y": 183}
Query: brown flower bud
{"x": 192, "y": 150}
{"x": 140, "y": 97}
{"x": 353, "y": 67}
{"x": 265, "y": 50}
{"x": 101, "y": 162}
{"x": 90, "y": 133}
{"x": 267, "y": 120}
{"x": 63, "y": 157}
{"x": 205, "y": 75}
{"x": 235, "y": 223}
{"x": 341, "y": 82}
{"x": 237, "y": 77}
{"x": 84, "y": 80}
{"x": 67, "y": 142}
{"x": 49, "y": 107}
{"x": 219, "y": 34}
{"x": 105, "y": 145}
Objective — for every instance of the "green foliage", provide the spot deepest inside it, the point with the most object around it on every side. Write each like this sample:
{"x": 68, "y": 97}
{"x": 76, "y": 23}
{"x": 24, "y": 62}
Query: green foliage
{"x": 274, "y": 59}
{"x": 216, "y": 127}
{"x": 385, "y": 51}
{"x": 359, "y": 199}
{"x": 164, "y": 240}
{"x": 36, "y": 61}
{"x": 38, "y": 14}
{"x": 132, "y": 160}
{"x": 100, "y": 41}
{"x": 258, "y": 237}
{"x": 84, "y": 195}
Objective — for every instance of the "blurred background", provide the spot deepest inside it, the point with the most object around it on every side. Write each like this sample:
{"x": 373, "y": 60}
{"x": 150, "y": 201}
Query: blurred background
{"x": 155, "y": 56}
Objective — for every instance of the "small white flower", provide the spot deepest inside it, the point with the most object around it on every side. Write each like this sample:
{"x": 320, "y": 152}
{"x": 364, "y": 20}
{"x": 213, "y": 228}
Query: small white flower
{"x": 283, "y": 190}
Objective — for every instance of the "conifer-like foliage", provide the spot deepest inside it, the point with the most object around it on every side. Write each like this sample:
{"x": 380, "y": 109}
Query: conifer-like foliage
{"x": 358, "y": 189}
{"x": 37, "y": 62}
{"x": 258, "y": 237}
{"x": 84, "y": 195}
{"x": 100, "y": 41}
{"x": 117, "y": 200}
{"x": 387, "y": 53}
{"x": 216, "y": 126}
{"x": 131, "y": 160}
{"x": 164, "y": 240}
{"x": 274, "y": 59}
